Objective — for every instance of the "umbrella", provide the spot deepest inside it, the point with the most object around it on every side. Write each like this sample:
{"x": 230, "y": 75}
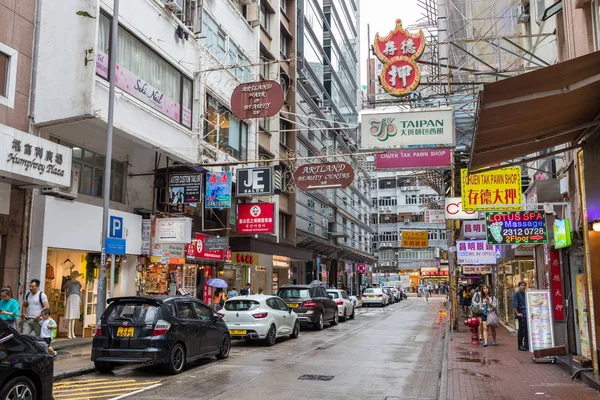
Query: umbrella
{"x": 217, "y": 282}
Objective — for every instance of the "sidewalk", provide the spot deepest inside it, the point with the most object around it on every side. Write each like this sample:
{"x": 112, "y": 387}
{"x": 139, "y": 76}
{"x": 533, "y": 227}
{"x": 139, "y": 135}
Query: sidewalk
{"x": 73, "y": 358}
{"x": 503, "y": 372}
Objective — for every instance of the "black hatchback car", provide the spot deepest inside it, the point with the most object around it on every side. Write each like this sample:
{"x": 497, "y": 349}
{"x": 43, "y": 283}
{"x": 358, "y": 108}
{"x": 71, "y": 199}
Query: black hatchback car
{"x": 26, "y": 367}
{"x": 158, "y": 330}
{"x": 312, "y": 303}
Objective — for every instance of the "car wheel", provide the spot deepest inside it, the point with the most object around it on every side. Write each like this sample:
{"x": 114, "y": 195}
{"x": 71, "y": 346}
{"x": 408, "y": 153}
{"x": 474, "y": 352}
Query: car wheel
{"x": 224, "y": 347}
{"x": 20, "y": 387}
{"x": 104, "y": 367}
{"x": 352, "y": 315}
{"x": 335, "y": 319}
{"x": 176, "y": 359}
{"x": 271, "y": 336}
{"x": 295, "y": 331}
{"x": 319, "y": 325}
{"x": 345, "y": 317}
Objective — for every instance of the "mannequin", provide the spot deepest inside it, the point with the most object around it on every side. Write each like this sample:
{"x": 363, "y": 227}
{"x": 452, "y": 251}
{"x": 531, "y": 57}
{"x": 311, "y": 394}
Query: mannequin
{"x": 73, "y": 305}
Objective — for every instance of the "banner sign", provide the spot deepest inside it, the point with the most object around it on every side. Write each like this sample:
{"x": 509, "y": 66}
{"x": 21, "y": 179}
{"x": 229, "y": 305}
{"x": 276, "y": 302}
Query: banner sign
{"x": 173, "y": 230}
{"x": 256, "y": 218}
{"x": 562, "y": 233}
{"x": 410, "y": 159}
{"x": 539, "y": 319}
{"x": 254, "y": 181}
{"x": 477, "y": 270}
{"x": 198, "y": 250}
{"x": 434, "y": 217}
{"x": 185, "y": 188}
{"x": 334, "y": 175}
{"x": 556, "y": 285}
{"x": 453, "y": 210}
{"x": 516, "y": 227}
{"x": 491, "y": 190}
{"x": 146, "y": 232}
{"x": 409, "y": 128}
{"x": 475, "y": 252}
{"x": 416, "y": 239}
{"x": 474, "y": 229}
{"x": 216, "y": 243}
{"x": 257, "y": 99}
{"x": 218, "y": 190}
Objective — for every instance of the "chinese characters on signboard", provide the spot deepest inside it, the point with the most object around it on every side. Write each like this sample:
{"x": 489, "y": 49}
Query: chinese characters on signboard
{"x": 399, "y": 52}
{"x": 434, "y": 217}
{"x": 474, "y": 229}
{"x": 491, "y": 190}
{"x": 415, "y": 239}
{"x": 185, "y": 188}
{"x": 475, "y": 252}
{"x": 256, "y": 218}
{"x": 516, "y": 227}
{"x": 556, "y": 285}
{"x": 539, "y": 319}
{"x": 218, "y": 190}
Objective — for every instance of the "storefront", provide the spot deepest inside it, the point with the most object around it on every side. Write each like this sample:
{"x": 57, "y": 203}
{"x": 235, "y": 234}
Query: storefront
{"x": 281, "y": 272}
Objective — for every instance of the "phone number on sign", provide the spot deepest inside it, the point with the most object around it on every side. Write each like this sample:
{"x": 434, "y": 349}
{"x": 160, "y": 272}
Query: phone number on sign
{"x": 526, "y": 231}
{"x": 523, "y": 224}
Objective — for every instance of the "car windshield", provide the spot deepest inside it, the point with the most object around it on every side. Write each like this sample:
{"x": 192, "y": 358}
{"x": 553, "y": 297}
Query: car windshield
{"x": 293, "y": 293}
{"x": 241, "y": 305}
{"x": 334, "y": 294}
{"x": 136, "y": 312}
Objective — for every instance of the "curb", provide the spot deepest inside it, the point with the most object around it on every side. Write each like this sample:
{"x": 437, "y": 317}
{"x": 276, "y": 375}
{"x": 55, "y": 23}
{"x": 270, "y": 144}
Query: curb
{"x": 63, "y": 344}
{"x": 443, "y": 385}
{"x": 70, "y": 374}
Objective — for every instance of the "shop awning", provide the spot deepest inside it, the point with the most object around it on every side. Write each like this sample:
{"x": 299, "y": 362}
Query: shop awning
{"x": 253, "y": 245}
{"x": 530, "y": 113}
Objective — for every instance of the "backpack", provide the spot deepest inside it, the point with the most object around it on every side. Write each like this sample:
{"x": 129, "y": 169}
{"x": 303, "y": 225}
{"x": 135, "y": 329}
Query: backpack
{"x": 41, "y": 302}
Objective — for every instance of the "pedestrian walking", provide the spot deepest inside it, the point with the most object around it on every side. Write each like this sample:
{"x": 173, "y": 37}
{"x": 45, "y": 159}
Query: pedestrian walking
{"x": 467, "y": 296}
{"x": 35, "y": 302}
{"x": 219, "y": 299}
{"x": 426, "y": 293}
{"x": 260, "y": 291}
{"x": 246, "y": 291}
{"x": 520, "y": 310}
{"x": 477, "y": 310}
{"x": 9, "y": 307}
{"x": 489, "y": 318}
{"x": 232, "y": 293}
{"x": 48, "y": 330}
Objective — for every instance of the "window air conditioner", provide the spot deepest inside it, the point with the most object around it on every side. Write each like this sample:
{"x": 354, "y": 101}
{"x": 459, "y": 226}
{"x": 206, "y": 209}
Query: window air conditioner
{"x": 406, "y": 220}
{"x": 174, "y": 5}
{"x": 404, "y": 189}
{"x": 65, "y": 193}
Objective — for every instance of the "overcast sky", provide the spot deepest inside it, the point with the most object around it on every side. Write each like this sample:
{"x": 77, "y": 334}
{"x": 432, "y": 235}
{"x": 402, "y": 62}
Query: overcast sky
{"x": 381, "y": 16}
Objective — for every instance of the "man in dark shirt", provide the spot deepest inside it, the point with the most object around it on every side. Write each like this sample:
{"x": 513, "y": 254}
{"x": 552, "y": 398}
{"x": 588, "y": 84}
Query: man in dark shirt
{"x": 521, "y": 316}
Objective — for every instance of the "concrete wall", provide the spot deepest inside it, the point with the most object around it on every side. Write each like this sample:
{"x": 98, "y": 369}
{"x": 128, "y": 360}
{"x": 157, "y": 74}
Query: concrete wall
{"x": 574, "y": 31}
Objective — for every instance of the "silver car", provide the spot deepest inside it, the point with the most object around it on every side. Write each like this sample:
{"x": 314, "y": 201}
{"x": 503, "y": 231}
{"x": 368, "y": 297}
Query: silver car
{"x": 344, "y": 303}
{"x": 376, "y": 297}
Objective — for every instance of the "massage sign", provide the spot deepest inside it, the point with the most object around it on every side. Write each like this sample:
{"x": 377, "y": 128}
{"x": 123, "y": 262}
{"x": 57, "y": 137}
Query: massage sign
{"x": 399, "y": 52}
{"x": 516, "y": 227}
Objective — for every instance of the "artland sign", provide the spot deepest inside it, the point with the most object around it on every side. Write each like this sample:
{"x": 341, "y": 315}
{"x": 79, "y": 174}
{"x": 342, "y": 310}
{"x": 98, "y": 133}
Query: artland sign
{"x": 399, "y": 51}
{"x": 324, "y": 176}
{"x": 33, "y": 159}
{"x": 516, "y": 227}
{"x": 425, "y": 158}
{"x": 492, "y": 190}
{"x": 257, "y": 100}
{"x": 406, "y": 129}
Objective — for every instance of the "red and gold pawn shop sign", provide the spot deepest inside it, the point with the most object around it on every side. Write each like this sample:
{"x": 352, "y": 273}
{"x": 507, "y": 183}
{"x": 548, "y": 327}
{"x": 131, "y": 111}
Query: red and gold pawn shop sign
{"x": 399, "y": 52}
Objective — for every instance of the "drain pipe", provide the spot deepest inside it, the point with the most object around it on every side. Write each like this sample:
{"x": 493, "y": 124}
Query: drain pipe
{"x": 34, "y": 62}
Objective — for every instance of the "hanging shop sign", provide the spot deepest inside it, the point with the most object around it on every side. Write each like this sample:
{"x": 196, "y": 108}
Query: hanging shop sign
{"x": 171, "y": 253}
{"x": 361, "y": 268}
{"x": 491, "y": 190}
{"x": 556, "y": 285}
{"x": 562, "y": 233}
{"x": 415, "y": 239}
{"x": 197, "y": 249}
{"x": 146, "y": 233}
{"x": 453, "y": 210}
{"x": 218, "y": 190}
{"x": 334, "y": 175}
{"x": 185, "y": 188}
{"x": 216, "y": 243}
{"x": 32, "y": 159}
{"x": 408, "y": 128}
{"x": 257, "y": 99}
{"x": 475, "y": 252}
{"x": 434, "y": 217}
{"x": 539, "y": 319}
{"x": 254, "y": 181}
{"x": 256, "y": 218}
{"x": 399, "y": 52}
{"x": 477, "y": 269}
{"x": 516, "y": 227}
{"x": 173, "y": 230}
{"x": 474, "y": 229}
{"x": 247, "y": 259}
{"x": 410, "y": 159}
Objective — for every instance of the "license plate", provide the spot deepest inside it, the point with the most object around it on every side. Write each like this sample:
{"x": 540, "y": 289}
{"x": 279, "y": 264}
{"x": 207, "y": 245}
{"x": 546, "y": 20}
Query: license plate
{"x": 125, "y": 332}
{"x": 237, "y": 331}
{"x": 294, "y": 305}
{"x": 371, "y": 297}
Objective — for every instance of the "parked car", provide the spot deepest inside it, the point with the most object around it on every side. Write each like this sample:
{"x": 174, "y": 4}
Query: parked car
{"x": 345, "y": 305}
{"x": 312, "y": 304}
{"x": 158, "y": 330}
{"x": 374, "y": 296}
{"x": 26, "y": 367}
{"x": 388, "y": 292}
{"x": 396, "y": 295}
{"x": 260, "y": 317}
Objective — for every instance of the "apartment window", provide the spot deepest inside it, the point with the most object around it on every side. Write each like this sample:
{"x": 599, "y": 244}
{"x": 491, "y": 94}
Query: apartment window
{"x": 8, "y": 75}
{"x": 90, "y": 166}
{"x": 283, "y": 44}
{"x": 283, "y": 225}
{"x": 284, "y": 6}
{"x": 283, "y": 134}
{"x": 223, "y": 130}
{"x": 264, "y": 17}
{"x": 412, "y": 199}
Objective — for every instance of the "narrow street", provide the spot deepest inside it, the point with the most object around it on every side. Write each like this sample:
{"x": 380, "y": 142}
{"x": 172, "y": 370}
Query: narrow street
{"x": 393, "y": 353}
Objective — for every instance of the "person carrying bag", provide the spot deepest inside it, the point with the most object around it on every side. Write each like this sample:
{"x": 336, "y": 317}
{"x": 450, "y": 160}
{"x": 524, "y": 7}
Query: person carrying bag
{"x": 489, "y": 318}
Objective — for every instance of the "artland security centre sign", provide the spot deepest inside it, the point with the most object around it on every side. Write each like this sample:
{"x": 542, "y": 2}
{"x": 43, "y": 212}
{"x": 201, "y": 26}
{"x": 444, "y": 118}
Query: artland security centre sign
{"x": 407, "y": 129}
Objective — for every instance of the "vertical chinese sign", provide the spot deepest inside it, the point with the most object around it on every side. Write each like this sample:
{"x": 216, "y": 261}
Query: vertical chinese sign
{"x": 399, "y": 52}
{"x": 491, "y": 190}
{"x": 218, "y": 190}
{"x": 557, "y": 290}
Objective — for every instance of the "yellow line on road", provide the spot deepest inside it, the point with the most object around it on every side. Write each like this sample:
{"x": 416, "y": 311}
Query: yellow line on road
{"x": 76, "y": 382}
{"x": 101, "y": 385}
{"x": 59, "y": 393}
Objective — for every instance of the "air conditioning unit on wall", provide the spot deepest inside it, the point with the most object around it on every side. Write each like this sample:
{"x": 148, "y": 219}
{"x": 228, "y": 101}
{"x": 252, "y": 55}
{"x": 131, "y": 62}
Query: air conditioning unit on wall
{"x": 174, "y": 5}
{"x": 65, "y": 193}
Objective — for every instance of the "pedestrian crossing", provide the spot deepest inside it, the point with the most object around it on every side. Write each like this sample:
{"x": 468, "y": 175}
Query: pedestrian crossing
{"x": 101, "y": 388}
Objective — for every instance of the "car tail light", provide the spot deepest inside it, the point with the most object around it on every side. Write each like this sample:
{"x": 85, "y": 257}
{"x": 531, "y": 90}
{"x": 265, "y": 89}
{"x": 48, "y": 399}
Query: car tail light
{"x": 260, "y": 315}
{"x": 220, "y": 315}
{"x": 161, "y": 328}
{"x": 309, "y": 304}
{"x": 339, "y": 303}
{"x": 98, "y": 331}
{"x": 379, "y": 295}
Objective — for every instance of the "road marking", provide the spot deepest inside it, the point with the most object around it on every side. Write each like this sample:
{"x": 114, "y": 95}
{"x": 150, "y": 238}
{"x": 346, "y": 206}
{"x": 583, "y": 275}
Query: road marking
{"x": 86, "y": 389}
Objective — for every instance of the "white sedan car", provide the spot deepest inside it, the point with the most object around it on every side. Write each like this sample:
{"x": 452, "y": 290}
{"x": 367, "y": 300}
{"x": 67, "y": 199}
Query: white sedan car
{"x": 375, "y": 296}
{"x": 344, "y": 303}
{"x": 259, "y": 317}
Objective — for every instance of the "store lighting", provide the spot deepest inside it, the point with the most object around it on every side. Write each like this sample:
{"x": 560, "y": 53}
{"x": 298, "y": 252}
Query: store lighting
{"x": 596, "y": 225}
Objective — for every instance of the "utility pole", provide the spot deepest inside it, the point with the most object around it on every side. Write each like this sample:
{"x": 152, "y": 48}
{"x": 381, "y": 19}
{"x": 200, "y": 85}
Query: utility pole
{"x": 114, "y": 41}
{"x": 452, "y": 255}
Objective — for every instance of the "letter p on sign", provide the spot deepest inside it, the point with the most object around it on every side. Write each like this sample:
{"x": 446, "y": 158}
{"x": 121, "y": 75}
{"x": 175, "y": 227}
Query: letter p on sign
{"x": 115, "y": 227}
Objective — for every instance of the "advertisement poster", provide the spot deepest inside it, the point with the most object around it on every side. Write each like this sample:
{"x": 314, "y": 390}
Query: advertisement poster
{"x": 256, "y": 218}
{"x": 415, "y": 239}
{"x": 475, "y": 252}
{"x": 516, "y": 227}
{"x": 539, "y": 319}
{"x": 557, "y": 290}
{"x": 492, "y": 190}
{"x": 582, "y": 316}
{"x": 562, "y": 233}
{"x": 185, "y": 188}
{"x": 218, "y": 190}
